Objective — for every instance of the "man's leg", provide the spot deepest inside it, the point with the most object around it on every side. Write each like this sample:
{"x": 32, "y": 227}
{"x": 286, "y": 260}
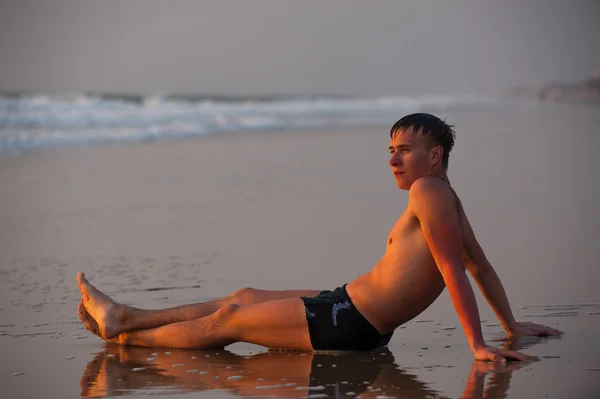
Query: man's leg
{"x": 279, "y": 324}
{"x": 113, "y": 318}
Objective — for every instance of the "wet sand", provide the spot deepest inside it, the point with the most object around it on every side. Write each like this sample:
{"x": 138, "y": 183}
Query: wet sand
{"x": 168, "y": 223}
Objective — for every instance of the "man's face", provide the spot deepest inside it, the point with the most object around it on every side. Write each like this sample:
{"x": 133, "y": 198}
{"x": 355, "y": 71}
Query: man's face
{"x": 410, "y": 157}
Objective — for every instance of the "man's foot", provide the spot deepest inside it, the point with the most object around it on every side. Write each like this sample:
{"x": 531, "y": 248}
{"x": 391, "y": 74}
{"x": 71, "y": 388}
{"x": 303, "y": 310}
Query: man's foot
{"x": 103, "y": 310}
{"x": 88, "y": 322}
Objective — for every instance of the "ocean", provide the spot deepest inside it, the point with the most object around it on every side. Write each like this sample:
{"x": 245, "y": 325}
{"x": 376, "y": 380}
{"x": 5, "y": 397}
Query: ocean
{"x": 33, "y": 121}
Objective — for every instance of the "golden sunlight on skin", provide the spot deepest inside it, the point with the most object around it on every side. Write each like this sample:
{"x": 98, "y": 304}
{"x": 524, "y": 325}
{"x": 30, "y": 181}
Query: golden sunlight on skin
{"x": 430, "y": 248}
{"x": 412, "y": 158}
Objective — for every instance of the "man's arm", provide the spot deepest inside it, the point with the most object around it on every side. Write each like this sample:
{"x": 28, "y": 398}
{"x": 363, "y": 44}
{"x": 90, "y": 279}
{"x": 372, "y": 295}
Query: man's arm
{"x": 435, "y": 207}
{"x": 486, "y": 278}
{"x": 491, "y": 287}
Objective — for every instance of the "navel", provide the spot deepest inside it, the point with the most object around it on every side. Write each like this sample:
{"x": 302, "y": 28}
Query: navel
{"x": 389, "y": 240}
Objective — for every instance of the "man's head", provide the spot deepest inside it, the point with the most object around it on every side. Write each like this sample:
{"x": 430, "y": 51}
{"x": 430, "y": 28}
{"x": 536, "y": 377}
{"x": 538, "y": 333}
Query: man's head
{"x": 419, "y": 145}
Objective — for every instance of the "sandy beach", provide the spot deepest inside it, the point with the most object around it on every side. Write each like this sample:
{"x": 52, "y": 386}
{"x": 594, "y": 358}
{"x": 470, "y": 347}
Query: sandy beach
{"x": 173, "y": 222}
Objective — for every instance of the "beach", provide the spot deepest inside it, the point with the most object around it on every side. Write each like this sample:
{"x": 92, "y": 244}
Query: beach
{"x": 169, "y": 222}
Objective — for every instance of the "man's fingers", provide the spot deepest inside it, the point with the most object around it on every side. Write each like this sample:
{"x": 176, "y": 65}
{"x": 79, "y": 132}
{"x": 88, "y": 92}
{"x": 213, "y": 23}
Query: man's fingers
{"x": 498, "y": 355}
{"x": 515, "y": 355}
{"x": 505, "y": 354}
{"x": 555, "y": 332}
{"x": 548, "y": 332}
{"x": 493, "y": 356}
{"x": 521, "y": 356}
{"x": 498, "y": 359}
{"x": 545, "y": 330}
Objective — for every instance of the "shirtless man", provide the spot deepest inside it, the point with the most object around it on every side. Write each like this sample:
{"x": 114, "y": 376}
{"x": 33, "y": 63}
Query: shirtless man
{"x": 428, "y": 249}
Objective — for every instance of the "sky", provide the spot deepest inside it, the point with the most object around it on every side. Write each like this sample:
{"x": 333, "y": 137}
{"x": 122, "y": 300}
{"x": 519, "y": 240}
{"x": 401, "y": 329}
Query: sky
{"x": 378, "y": 47}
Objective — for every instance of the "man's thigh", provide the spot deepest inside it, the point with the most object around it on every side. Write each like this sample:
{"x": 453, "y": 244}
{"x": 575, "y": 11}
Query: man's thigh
{"x": 249, "y": 296}
{"x": 278, "y": 324}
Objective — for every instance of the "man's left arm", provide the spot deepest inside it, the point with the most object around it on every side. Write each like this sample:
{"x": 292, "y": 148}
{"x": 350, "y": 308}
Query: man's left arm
{"x": 491, "y": 287}
{"x": 434, "y": 206}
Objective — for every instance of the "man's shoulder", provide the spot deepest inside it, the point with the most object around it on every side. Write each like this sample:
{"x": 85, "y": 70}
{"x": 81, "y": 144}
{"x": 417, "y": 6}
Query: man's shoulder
{"x": 431, "y": 195}
{"x": 433, "y": 187}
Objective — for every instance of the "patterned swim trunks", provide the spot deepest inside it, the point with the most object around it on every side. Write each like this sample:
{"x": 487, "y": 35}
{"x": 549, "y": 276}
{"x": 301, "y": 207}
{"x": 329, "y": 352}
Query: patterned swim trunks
{"x": 335, "y": 324}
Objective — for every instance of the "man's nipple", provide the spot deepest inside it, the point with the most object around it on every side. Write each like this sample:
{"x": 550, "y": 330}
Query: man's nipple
{"x": 389, "y": 240}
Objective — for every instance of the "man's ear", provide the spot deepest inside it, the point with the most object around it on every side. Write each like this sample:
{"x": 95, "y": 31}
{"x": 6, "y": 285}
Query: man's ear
{"x": 436, "y": 154}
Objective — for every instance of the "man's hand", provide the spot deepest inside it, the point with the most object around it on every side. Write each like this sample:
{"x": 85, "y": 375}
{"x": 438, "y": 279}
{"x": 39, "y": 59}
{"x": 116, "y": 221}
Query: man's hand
{"x": 492, "y": 354}
{"x": 527, "y": 328}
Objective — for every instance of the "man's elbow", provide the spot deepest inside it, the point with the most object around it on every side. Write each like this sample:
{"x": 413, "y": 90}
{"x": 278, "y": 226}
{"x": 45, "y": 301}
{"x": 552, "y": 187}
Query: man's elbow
{"x": 478, "y": 271}
{"x": 451, "y": 270}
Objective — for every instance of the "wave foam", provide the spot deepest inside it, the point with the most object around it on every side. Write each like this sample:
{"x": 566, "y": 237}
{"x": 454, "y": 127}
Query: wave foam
{"x": 41, "y": 120}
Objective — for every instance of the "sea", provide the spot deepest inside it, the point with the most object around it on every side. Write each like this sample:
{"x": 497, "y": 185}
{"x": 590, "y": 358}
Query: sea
{"x": 30, "y": 121}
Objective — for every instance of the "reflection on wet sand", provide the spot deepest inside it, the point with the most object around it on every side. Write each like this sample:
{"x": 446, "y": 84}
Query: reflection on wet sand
{"x": 121, "y": 370}
{"x": 500, "y": 375}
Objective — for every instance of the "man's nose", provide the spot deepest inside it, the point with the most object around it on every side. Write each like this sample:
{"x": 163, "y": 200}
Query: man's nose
{"x": 393, "y": 161}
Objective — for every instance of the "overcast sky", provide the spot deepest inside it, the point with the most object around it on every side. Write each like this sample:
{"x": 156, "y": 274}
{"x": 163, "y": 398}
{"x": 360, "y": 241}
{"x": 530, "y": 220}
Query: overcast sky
{"x": 283, "y": 46}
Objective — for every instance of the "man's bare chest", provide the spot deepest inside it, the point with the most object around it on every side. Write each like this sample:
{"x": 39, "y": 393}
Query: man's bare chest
{"x": 405, "y": 231}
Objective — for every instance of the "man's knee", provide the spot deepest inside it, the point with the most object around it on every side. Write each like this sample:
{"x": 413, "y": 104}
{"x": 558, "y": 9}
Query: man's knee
{"x": 227, "y": 311}
{"x": 220, "y": 326}
{"x": 222, "y": 321}
{"x": 245, "y": 296}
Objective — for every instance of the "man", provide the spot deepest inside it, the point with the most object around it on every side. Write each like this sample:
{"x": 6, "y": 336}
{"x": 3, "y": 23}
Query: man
{"x": 428, "y": 249}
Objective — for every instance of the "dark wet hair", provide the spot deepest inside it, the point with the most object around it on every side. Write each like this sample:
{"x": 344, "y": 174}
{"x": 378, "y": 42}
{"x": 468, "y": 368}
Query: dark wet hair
{"x": 439, "y": 132}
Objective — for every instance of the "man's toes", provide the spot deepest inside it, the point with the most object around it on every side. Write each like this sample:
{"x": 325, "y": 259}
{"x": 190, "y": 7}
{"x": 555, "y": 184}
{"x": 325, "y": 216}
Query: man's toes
{"x": 83, "y": 284}
{"x": 91, "y": 328}
{"x": 90, "y": 324}
{"x": 88, "y": 321}
{"x": 80, "y": 279}
{"x": 81, "y": 311}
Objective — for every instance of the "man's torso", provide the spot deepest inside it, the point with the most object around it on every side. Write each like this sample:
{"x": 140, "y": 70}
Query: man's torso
{"x": 406, "y": 279}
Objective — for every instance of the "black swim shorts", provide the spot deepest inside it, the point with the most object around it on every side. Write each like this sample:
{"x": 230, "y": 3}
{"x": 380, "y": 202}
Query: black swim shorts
{"x": 335, "y": 324}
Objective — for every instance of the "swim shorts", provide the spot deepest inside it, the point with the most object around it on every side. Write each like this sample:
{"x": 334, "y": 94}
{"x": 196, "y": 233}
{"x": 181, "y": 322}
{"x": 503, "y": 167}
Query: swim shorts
{"x": 335, "y": 324}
